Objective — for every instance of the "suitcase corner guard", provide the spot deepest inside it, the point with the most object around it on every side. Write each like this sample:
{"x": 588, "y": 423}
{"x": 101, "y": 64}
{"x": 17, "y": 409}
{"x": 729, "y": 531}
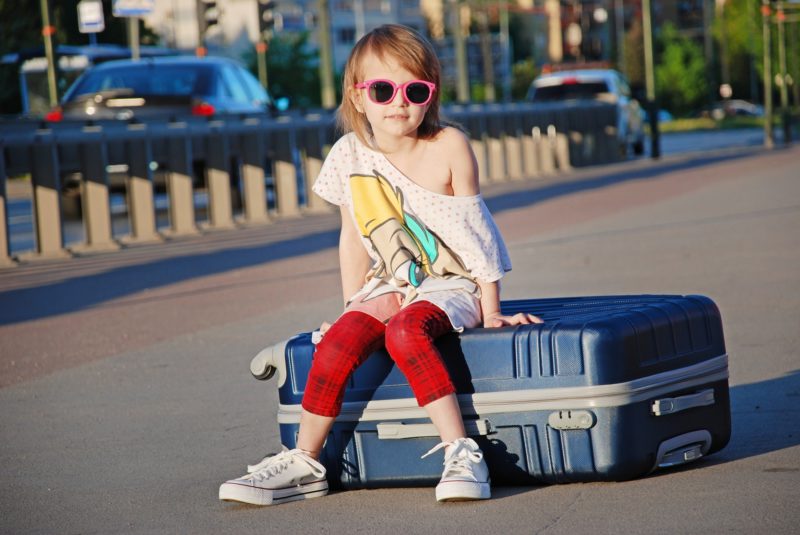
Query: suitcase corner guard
{"x": 269, "y": 361}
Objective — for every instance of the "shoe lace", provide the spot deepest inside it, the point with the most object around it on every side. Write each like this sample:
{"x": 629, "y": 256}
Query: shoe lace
{"x": 272, "y": 465}
{"x": 460, "y": 459}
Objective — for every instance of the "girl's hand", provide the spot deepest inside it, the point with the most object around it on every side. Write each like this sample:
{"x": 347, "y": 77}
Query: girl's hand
{"x": 499, "y": 320}
{"x": 316, "y": 336}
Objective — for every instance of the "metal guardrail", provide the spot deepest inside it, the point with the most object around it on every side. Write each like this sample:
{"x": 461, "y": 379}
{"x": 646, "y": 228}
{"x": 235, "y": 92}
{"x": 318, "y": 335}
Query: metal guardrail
{"x": 511, "y": 142}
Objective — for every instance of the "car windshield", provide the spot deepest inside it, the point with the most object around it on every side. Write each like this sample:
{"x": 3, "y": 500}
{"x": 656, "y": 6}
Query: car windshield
{"x": 147, "y": 80}
{"x": 568, "y": 91}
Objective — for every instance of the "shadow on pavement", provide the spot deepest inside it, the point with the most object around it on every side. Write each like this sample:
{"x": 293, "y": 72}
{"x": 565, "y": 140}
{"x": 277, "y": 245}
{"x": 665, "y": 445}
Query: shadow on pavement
{"x": 765, "y": 418}
{"x": 82, "y": 292}
{"x": 602, "y": 178}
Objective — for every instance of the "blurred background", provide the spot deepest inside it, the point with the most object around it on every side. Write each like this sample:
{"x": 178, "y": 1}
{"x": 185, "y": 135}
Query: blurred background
{"x": 541, "y": 86}
{"x": 708, "y": 56}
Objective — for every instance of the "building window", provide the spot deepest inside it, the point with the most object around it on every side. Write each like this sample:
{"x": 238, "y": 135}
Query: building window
{"x": 346, "y": 36}
{"x": 343, "y": 5}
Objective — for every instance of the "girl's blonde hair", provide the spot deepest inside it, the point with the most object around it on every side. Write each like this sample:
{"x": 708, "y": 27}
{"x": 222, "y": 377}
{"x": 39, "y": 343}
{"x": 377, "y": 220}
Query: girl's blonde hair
{"x": 413, "y": 52}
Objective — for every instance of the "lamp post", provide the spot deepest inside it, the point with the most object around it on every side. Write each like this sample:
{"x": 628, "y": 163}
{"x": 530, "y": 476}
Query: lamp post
{"x": 785, "y": 114}
{"x": 766, "y": 11}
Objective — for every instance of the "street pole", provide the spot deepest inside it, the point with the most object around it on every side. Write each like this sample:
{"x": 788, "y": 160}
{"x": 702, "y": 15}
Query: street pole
{"x": 486, "y": 54}
{"x": 708, "y": 45}
{"x": 723, "y": 46}
{"x": 619, "y": 30}
{"x": 460, "y": 49}
{"x": 769, "y": 140}
{"x": 506, "y": 43}
{"x": 325, "y": 57}
{"x": 649, "y": 78}
{"x": 47, "y": 34}
{"x": 785, "y": 114}
{"x": 794, "y": 71}
{"x": 261, "y": 60}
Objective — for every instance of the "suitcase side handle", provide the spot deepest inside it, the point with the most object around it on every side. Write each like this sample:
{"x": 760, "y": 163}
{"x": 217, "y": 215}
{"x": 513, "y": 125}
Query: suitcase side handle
{"x": 269, "y": 361}
{"x": 681, "y": 403}
{"x": 399, "y": 430}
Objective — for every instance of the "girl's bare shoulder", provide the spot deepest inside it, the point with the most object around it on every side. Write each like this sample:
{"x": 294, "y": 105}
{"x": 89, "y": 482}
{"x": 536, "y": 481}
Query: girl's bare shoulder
{"x": 454, "y": 145}
{"x": 452, "y": 141}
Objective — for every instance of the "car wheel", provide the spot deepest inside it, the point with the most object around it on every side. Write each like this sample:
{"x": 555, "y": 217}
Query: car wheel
{"x": 638, "y": 147}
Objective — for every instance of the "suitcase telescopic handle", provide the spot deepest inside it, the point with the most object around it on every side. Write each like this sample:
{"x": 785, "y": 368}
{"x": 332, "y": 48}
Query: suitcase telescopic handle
{"x": 269, "y": 361}
{"x": 399, "y": 430}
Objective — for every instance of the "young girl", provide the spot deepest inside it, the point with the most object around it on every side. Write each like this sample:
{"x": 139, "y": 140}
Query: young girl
{"x": 420, "y": 256}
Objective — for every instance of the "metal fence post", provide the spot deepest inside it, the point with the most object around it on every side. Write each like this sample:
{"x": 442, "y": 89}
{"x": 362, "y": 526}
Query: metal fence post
{"x": 529, "y": 149}
{"x": 253, "y": 162}
{"x": 94, "y": 192}
{"x": 45, "y": 175}
{"x": 5, "y": 249}
{"x": 220, "y": 211}
{"x": 313, "y": 156}
{"x": 494, "y": 142}
{"x": 477, "y": 134}
{"x": 546, "y": 157}
{"x": 286, "y": 200}
{"x": 513, "y": 143}
{"x": 560, "y": 148}
{"x": 179, "y": 181}
{"x": 139, "y": 186}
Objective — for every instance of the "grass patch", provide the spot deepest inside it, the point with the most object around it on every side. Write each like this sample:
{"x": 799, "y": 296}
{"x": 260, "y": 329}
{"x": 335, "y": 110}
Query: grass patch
{"x": 707, "y": 123}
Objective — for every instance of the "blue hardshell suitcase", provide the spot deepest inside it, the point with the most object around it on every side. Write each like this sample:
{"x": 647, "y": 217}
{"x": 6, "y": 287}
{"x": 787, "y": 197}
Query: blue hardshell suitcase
{"x": 607, "y": 388}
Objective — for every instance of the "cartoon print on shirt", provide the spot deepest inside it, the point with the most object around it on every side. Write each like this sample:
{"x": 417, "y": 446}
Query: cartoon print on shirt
{"x": 408, "y": 250}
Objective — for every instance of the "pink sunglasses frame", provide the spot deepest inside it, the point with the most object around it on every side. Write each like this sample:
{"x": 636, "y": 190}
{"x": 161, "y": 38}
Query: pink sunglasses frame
{"x": 404, "y": 86}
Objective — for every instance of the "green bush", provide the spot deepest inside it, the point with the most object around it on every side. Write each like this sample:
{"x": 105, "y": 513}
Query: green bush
{"x": 681, "y": 73}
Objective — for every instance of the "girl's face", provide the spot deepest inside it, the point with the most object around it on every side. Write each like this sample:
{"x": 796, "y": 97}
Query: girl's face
{"x": 398, "y": 118}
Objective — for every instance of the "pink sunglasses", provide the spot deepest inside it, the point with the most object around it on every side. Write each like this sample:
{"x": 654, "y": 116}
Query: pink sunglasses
{"x": 417, "y": 92}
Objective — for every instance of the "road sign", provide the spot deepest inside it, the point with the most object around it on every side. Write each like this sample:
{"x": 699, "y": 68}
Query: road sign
{"x": 90, "y": 16}
{"x": 133, "y": 8}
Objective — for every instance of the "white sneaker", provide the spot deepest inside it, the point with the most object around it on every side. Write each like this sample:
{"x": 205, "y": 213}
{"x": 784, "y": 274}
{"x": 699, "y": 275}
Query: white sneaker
{"x": 465, "y": 475}
{"x": 288, "y": 476}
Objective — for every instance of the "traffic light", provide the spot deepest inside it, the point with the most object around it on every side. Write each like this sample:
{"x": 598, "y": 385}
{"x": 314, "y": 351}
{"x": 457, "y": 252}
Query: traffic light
{"x": 266, "y": 19}
{"x": 207, "y": 17}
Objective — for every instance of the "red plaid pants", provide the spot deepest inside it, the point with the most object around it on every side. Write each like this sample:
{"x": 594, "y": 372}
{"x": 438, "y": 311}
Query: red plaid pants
{"x": 408, "y": 338}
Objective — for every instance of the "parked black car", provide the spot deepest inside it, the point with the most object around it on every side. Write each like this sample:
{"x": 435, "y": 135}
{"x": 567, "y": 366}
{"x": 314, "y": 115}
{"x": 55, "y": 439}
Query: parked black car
{"x": 162, "y": 87}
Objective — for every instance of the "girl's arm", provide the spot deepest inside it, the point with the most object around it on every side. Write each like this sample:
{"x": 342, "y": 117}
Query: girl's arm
{"x": 490, "y": 308}
{"x": 354, "y": 261}
{"x": 464, "y": 180}
{"x": 353, "y": 258}
{"x": 463, "y": 164}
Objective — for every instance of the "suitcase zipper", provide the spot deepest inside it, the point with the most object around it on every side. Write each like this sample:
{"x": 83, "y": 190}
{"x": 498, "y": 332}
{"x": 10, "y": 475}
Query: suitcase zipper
{"x": 582, "y": 397}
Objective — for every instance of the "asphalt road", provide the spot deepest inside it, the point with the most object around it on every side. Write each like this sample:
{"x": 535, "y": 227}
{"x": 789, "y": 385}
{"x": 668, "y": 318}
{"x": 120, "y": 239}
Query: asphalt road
{"x": 126, "y": 398}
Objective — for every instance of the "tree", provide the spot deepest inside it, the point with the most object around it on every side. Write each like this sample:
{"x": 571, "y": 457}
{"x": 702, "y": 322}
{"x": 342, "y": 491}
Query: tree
{"x": 293, "y": 70}
{"x": 681, "y": 73}
{"x": 522, "y": 74}
{"x": 739, "y": 26}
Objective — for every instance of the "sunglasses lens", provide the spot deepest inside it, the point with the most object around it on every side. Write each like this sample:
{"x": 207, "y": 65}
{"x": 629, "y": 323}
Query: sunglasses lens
{"x": 417, "y": 93}
{"x": 381, "y": 92}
